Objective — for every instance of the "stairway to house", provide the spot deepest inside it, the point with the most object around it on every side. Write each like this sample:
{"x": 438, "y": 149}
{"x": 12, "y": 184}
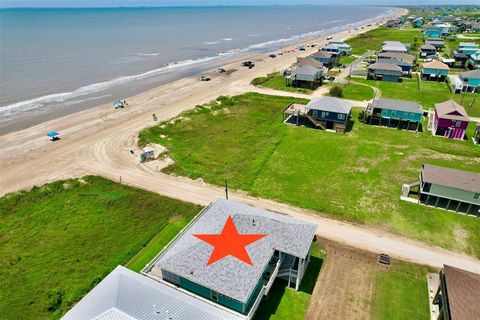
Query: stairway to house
{"x": 316, "y": 123}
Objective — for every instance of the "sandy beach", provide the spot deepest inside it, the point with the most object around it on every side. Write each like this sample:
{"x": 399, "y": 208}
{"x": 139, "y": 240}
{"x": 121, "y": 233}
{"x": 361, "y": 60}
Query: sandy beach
{"x": 98, "y": 141}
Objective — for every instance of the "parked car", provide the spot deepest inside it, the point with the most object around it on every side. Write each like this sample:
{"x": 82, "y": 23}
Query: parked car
{"x": 204, "y": 77}
{"x": 302, "y": 48}
{"x": 329, "y": 38}
{"x": 272, "y": 55}
{"x": 221, "y": 70}
{"x": 248, "y": 64}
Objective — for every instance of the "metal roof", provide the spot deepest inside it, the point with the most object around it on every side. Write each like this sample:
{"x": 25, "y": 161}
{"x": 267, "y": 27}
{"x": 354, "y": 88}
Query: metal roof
{"x": 396, "y": 62}
{"x": 127, "y": 295}
{"x": 453, "y": 178}
{"x": 307, "y": 69}
{"x": 330, "y": 104}
{"x": 309, "y": 61}
{"x": 397, "y": 55}
{"x": 399, "y": 105}
{"x": 463, "y": 293}
{"x": 187, "y": 256}
{"x": 395, "y": 46}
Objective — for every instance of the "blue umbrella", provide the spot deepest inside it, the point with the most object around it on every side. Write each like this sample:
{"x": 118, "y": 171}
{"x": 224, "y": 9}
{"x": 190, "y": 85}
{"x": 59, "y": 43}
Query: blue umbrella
{"x": 53, "y": 134}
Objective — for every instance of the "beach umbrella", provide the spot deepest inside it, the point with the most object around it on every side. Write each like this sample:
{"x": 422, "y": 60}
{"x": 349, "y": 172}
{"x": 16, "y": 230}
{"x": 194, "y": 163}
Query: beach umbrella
{"x": 52, "y": 134}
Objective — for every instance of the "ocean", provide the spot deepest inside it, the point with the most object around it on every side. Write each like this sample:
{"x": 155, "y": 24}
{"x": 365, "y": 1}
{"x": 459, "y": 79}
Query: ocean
{"x": 58, "y": 61}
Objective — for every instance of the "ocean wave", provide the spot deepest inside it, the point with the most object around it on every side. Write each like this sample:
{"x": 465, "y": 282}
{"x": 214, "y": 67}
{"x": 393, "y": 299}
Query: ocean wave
{"x": 227, "y": 39}
{"x": 39, "y": 102}
{"x": 212, "y": 42}
{"x": 149, "y": 54}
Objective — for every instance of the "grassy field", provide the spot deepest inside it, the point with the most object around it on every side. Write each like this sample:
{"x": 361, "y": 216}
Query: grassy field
{"x": 401, "y": 293}
{"x": 355, "y": 91}
{"x": 372, "y": 40}
{"x": 59, "y": 240}
{"x": 277, "y": 81}
{"x": 426, "y": 92}
{"x": 347, "y": 59}
{"x": 286, "y": 303}
{"x": 355, "y": 176}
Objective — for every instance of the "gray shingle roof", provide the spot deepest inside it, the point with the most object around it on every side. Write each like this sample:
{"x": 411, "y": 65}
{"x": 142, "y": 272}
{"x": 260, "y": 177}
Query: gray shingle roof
{"x": 453, "y": 178}
{"x": 188, "y": 256}
{"x": 330, "y": 104}
{"x": 396, "y": 62}
{"x": 384, "y": 66}
{"x": 307, "y": 69}
{"x": 395, "y": 46}
{"x": 399, "y": 105}
{"x": 473, "y": 74}
{"x": 127, "y": 295}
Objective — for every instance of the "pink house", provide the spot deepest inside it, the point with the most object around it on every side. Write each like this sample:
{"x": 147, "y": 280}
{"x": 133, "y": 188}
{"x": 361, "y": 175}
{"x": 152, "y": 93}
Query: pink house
{"x": 451, "y": 120}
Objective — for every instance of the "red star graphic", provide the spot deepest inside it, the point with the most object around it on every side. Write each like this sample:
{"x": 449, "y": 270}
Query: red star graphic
{"x": 229, "y": 243}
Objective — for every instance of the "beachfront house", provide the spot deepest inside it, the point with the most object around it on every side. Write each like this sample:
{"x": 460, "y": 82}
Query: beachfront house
{"x": 283, "y": 254}
{"x": 435, "y": 70}
{"x": 395, "y": 113}
{"x": 456, "y": 294}
{"x": 474, "y": 61}
{"x": 450, "y": 189}
{"x": 305, "y": 76}
{"x": 309, "y": 61}
{"x": 450, "y": 120}
{"x": 394, "y": 46}
{"x": 384, "y": 72}
{"x": 333, "y": 49}
{"x": 326, "y": 58}
{"x": 468, "y": 48}
{"x": 427, "y": 50}
{"x": 342, "y": 46}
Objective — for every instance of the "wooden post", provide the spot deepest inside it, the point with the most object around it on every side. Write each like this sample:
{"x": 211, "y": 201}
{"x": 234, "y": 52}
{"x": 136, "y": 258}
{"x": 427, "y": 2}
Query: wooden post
{"x": 436, "y": 202}
{"x": 458, "y": 206}
{"x": 448, "y": 203}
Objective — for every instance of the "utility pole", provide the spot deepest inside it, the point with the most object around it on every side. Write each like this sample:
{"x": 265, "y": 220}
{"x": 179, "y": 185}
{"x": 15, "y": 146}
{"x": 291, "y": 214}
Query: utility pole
{"x": 226, "y": 190}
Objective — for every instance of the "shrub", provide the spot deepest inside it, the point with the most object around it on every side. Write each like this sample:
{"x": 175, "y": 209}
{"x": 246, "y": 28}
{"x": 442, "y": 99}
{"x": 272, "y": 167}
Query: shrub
{"x": 336, "y": 91}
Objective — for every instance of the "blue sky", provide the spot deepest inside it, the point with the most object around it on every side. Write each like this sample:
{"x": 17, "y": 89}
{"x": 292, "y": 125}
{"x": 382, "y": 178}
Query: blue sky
{"x": 116, "y": 3}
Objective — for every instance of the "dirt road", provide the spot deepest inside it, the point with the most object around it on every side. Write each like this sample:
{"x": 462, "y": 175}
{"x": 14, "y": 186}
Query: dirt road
{"x": 98, "y": 141}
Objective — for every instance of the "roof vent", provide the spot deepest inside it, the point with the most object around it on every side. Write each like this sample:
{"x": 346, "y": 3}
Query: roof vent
{"x": 253, "y": 222}
{"x": 191, "y": 271}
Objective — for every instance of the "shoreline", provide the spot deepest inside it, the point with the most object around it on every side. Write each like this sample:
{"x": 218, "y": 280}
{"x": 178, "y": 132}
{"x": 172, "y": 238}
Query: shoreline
{"x": 48, "y": 109}
{"x": 97, "y": 140}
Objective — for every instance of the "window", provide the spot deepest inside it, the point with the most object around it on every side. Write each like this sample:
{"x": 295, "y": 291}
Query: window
{"x": 324, "y": 114}
{"x": 476, "y": 195}
{"x": 394, "y": 113}
{"x": 214, "y": 295}
{"x": 458, "y": 123}
{"x": 340, "y": 116}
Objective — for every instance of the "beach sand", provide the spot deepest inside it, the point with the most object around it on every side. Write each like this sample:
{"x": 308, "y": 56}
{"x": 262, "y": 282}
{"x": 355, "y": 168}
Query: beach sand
{"x": 98, "y": 140}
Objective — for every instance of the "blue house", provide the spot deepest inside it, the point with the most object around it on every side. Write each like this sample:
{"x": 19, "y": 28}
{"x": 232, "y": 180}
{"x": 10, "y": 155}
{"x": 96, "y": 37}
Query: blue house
{"x": 435, "y": 70}
{"x": 417, "y": 23}
{"x": 395, "y": 113}
{"x": 282, "y": 254}
{"x": 474, "y": 61}
{"x": 329, "y": 113}
{"x": 470, "y": 81}
{"x": 468, "y": 48}
{"x": 384, "y": 72}
{"x": 432, "y": 32}
{"x": 325, "y": 57}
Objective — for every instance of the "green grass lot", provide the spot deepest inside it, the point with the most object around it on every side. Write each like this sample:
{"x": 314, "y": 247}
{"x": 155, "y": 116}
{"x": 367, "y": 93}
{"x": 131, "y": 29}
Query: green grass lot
{"x": 355, "y": 91}
{"x": 428, "y": 93}
{"x": 355, "y": 176}
{"x": 286, "y": 303}
{"x": 452, "y": 43}
{"x": 277, "y": 81}
{"x": 401, "y": 293}
{"x": 347, "y": 59}
{"x": 372, "y": 40}
{"x": 59, "y": 240}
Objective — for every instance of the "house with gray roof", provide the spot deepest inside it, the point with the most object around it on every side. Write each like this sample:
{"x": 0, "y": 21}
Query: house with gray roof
{"x": 127, "y": 295}
{"x": 306, "y": 75}
{"x": 395, "y": 113}
{"x": 283, "y": 253}
{"x": 394, "y": 46}
{"x": 384, "y": 72}
{"x": 329, "y": 113}
{"x": 450, "y": 189}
